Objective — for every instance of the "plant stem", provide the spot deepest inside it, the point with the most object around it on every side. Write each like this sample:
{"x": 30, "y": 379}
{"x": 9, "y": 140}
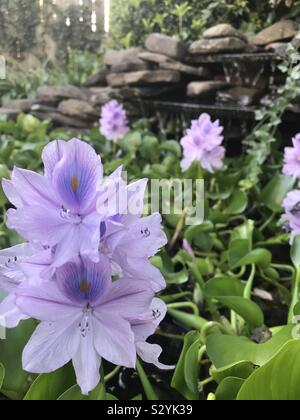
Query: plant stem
{"x": 112, "y": 374}
{"x": 181, "y": 305}
{"x": 149, "y": 391}
{"x": 295, "y": 296}
{"x": 249, "y": 285}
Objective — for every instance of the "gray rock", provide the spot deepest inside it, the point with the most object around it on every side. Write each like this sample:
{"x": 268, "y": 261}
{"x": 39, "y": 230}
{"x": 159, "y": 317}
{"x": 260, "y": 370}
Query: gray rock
{"x": 62, "y": 120}
{"x": 224, "y": 30}
{"x": 80, "y": 109}
{"x": 100, "y": 96}
{"x": 203, "y": 89}
{"x": 141, "y": 78}
{"x": 144, "y": 92}
{"x": 98, "y": 79}
{"x": 19, "y": 105}
{"x": 129, "y": 67}
{"x": 280, "y": 31}
{"x": 120, "y": 57}
{"x": 43, "y": 108}
{"x": 240, "y": 96}
{"x": 11, "y": 114}
{"x": 55, "y": 94}
{"x": 155, "y": 57}
{"x": 166, "y": 45}
{"x": 278, "y": 47}
{"x": 200, "y": 72}
{"x": 217, "y": 45}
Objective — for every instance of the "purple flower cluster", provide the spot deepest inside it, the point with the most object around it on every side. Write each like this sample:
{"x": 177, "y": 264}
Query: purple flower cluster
{"x": 292, "y": 159}
{"x": 203, "y": 143}
{"x": 113, "y": 121}
{"x": 291, "y": 218}
{"x": 84, "y": 271}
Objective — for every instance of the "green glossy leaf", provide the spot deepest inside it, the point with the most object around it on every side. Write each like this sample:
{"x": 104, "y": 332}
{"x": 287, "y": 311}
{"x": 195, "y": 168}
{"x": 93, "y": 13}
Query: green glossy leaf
{"x": 240, "y": 370}
{"x": 50, "y": 386}
{"x": 225, "y": 350}
{"x": 295, "y": 252}
{"x": 237, "y": 204}
{"x": 2, "y": 375}
{"x": 74, "y": 394}
{"x": 278, "y": 380}
{"x": 177, "y": 278}
{"x": 229, "y": 292}
{"x": 149, "y": 148}
{"x": 275, "y": 192}
{"x": 238, "y": 249}
{"x": 191, "y": 341}
{"x": 16, "y": 381}
{"x": 260, "y": 257}
{"x": 229, "y": 389}
{"x": 192, "y": 367}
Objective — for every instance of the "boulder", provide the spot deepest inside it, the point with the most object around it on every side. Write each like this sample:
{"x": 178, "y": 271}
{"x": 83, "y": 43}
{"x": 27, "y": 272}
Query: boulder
{"x": 217, "y": 45}
{"x": 155, "y": 57}
{"x": 55, "y": 94}
{"x": 200, "y": 72}
{"x": 141, "y": 78}
{"x": 121, "y": 57}
{"x": 11, "y": 114}
{"x": 100, "y": 96}
{"x": 280, "y": 31}
{"x": 240, "y": 96}
{"x": 166, "y": 45}
{"x": 224, "y": 30}
{"x": 145, "y": 92}
{"x": 98, "y": 79}
{"x": 76, "y": 108}
{"x": 279, "y": 48}
{"x": 130, "y": 67}
{"x": 19, "y": 105}
{"x": 62, "y": 120}
{"x": 203, "y": 89}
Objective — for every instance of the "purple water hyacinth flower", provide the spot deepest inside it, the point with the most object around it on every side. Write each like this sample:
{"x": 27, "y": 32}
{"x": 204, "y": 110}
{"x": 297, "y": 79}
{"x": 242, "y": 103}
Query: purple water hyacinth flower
{"x": 58, "y": 209}
{"x": 202, "y": 143}
{"x": 130, "y": 242}
{"x": 128, "y": 238}
{"x": 113, "y": 121}
{"x": 292, "y": 159}
{"x": 84, "y": 318}
{"x": 19, "y": 265}
{"x": 146, "y": 326}
{"x": 291, "y": 205}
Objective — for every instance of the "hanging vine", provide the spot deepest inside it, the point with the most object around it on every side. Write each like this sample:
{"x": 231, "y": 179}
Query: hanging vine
{"x": 259, "y": 143}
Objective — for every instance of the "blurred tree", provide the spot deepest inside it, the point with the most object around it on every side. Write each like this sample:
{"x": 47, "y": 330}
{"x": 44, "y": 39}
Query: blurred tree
{"x": 132, "y": 20}
{"x": 18, "y": 22}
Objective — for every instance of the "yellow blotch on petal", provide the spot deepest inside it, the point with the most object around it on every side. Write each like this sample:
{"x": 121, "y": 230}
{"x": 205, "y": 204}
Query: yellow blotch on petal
{"x": 74, "y": 183}
{"x": 85, "y": 286}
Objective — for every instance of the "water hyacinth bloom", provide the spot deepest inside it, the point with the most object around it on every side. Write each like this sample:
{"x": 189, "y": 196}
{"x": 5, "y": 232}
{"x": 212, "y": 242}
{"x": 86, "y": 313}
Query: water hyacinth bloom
{"x": 113, "y": 121}
{"x": 19, "y": 265}
{"x": 292, "y": 159}
{"x": 84, "y": 317}
{"x": 146, "y": 326}
{"x": 291, "y": 217}
{"x": 202, "y": 143}
{"x": 58, "y": 209}
{"x": 127, "y": 238}
{"x": 63, "y": 275}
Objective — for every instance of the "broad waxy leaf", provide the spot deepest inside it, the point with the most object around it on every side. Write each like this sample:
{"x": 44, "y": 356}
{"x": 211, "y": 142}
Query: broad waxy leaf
{"x": 50, "y": 386}
{"x": 275, "y": 192}
{"x": 184, "y": 366}
{"x": 278, "y": 380}
{"x": 225, "y": 350}
{"x": 229, "y": 292}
